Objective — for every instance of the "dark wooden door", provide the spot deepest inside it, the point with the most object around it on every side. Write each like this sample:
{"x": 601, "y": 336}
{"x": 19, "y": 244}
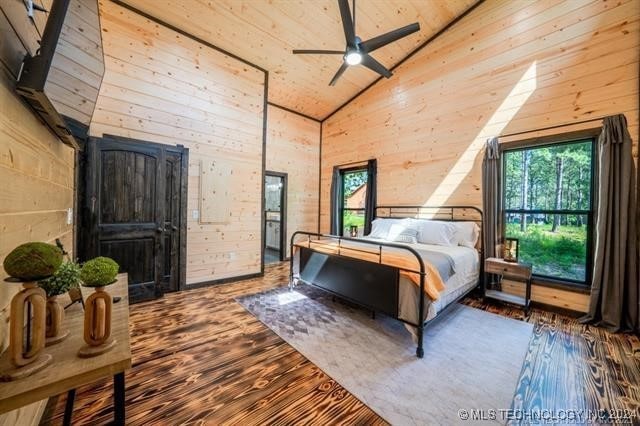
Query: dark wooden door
{"x": 134, "y": 194}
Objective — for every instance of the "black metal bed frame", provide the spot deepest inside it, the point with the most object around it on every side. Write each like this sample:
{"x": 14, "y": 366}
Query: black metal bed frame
{"x": 366, "y": 283}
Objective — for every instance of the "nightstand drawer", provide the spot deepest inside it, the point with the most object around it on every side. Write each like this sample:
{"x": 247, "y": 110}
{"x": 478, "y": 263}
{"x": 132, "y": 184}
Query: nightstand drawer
{"x": 514, "y": 270}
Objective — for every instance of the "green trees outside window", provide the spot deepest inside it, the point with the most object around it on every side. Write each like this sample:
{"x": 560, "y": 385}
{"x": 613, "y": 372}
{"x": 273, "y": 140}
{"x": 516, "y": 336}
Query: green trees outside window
{"x": 354, "y": 189}
{"x": 548, "y": 207}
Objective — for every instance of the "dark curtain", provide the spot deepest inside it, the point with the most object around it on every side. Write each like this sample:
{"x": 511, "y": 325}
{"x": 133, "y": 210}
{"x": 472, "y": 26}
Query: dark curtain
{"x": 491, "y": 199}
{"x": 371, "y": 199}
{"x": 336, "y": 198}
{"x": 614, "y": 300}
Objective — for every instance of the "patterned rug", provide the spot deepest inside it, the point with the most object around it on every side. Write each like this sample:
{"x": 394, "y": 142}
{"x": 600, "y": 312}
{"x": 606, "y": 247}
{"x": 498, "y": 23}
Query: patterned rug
{"x": 472, "y": 358}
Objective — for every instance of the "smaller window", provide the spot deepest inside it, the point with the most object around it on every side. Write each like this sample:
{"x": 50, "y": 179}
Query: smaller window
{"x": 548, "y": 200}
{"x": 354, "y": 190}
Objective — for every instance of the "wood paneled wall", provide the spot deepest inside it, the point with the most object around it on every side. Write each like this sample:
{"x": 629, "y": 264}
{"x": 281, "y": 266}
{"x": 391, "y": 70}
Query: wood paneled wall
{"x": 164, "y": 87}
{"x": 78, "y": 64}
{"x": 293, "y": 147}
{"x": 36, "y": 172}
{"x": 509, "y": 66}
{"x": 19, "y": 35}
{"x": 265, "y": 32}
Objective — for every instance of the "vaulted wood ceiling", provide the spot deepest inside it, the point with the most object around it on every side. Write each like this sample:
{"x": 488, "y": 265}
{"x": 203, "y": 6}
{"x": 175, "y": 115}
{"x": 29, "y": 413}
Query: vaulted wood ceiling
{"x": 265, "y": 31}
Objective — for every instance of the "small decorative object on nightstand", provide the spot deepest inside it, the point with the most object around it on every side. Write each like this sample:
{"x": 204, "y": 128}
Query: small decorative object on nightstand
{"x": 510, "y": 249}
{"x": 513, "y": 271}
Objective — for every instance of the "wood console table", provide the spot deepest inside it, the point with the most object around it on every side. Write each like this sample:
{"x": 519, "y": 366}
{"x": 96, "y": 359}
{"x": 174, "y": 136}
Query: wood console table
{"x": 68, "y": 371}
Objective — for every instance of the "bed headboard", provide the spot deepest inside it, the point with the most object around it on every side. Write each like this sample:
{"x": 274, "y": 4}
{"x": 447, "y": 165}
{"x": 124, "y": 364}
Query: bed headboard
{"x": 444, "y": 213}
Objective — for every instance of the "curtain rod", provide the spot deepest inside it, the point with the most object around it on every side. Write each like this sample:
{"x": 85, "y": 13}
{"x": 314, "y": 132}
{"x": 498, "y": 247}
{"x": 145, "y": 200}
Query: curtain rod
{"x": 553, "y": 127}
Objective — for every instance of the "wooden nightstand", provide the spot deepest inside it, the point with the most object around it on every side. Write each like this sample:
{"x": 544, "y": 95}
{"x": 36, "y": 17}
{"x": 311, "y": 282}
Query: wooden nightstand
{"x": 512, "y": 271}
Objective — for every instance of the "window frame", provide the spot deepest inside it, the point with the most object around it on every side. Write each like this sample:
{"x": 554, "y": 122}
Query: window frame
{"x": 341, "y": 201}
{"x": 557, "y": 140}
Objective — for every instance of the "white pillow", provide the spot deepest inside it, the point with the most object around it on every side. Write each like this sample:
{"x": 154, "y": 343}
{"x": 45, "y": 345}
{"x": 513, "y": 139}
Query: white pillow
{"x": 402, "y": 233}
{"x": 466, "y": 233}
{"x": 380, "y": 227}
{"x": 435, "y": 232}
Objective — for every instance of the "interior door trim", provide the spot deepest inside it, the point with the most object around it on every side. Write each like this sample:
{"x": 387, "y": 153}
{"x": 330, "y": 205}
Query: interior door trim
{"x": 283, "y": 216}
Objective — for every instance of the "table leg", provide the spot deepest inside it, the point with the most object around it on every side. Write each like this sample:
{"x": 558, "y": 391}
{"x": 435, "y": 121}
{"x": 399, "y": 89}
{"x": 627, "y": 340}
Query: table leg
{"x": 68, "y": 407}
{"x": 118, "y": 399}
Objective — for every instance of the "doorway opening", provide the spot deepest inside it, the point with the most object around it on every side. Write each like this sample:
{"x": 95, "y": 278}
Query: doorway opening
{"x": 275, "y": 215}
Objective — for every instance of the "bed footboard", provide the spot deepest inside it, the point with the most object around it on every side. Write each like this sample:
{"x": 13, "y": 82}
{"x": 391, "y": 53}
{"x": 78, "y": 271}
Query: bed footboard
{"x": 369, "y": 284}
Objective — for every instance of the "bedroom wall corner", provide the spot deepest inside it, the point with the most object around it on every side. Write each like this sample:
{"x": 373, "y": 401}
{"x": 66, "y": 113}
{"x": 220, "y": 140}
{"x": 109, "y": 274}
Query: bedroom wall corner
{"x": 293, "y": 144}
{"x": 166, "y": 87}
{"x": 507, "y": 67}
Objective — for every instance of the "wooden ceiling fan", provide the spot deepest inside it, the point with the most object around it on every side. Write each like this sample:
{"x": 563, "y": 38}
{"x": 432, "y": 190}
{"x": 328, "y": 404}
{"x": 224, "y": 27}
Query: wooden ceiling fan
{"x": 358, "y": 51}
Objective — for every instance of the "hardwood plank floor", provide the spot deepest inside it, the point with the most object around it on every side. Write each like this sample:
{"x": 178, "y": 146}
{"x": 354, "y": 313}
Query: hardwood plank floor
{"x": 200, "y": 358}
{"x": 575, "y": 367}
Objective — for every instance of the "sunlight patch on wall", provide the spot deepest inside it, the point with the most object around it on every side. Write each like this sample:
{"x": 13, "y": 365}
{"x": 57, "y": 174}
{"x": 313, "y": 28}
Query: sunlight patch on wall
{"x": 513, "y": 102}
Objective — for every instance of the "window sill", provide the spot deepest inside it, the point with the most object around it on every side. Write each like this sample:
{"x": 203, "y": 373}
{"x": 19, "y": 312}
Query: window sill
{"x": 561, "y": 285}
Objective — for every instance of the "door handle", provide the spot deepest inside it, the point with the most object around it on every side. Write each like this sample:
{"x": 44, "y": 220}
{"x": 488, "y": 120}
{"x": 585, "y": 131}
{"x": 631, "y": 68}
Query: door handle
{"x": 175, "y": 228}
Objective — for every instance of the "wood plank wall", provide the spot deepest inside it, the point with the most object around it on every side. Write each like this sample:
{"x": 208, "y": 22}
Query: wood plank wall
{"x": 509, "y": 66}
{"x": 36, "y": 170}
{"x": 161, "y": 86}
{"x": 78, "y": 65}
{"x": 293, "y": 147}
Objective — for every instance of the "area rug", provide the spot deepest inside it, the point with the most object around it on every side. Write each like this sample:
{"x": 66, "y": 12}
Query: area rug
{"x": 472, "y": 358}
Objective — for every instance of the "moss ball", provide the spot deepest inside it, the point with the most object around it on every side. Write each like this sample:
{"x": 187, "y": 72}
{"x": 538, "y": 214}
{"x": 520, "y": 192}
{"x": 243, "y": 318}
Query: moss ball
{"x": 99, "y": 272}
{"x": 33, "y": 261}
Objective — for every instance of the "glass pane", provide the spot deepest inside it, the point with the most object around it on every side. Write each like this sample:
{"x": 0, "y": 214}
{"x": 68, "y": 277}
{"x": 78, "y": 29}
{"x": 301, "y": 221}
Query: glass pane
{"x": 353, "y": 218}
{"x": 272, "y": 192}
{"x": 556, "y": 245}
{"x": 554, "y": 177}
{"x": 354, "y": 189}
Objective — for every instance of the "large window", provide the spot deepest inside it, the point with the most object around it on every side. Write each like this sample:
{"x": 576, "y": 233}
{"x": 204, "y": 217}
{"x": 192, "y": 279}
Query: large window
{"x": 548, "y": 206}
{"x": 354, "y": 195}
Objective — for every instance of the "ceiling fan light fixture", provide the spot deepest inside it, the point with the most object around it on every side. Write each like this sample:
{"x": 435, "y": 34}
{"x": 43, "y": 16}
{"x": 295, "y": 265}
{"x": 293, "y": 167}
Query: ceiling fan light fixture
{"x": 353, "y": 58}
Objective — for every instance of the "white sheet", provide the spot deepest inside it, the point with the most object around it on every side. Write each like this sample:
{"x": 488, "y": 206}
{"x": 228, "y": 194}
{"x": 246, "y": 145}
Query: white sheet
{"x": 467, "y": 267}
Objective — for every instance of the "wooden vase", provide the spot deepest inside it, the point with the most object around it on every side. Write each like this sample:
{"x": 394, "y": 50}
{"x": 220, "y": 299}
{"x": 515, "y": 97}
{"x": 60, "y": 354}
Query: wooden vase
{"x": 55, "y": 318}
{"x": 27, "y": 332}
{"x": 97, "y": 324}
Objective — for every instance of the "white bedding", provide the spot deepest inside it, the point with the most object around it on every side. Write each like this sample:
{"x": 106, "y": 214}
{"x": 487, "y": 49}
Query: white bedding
{"x": 467, "y": 273}
{"x": 467, "y": 266}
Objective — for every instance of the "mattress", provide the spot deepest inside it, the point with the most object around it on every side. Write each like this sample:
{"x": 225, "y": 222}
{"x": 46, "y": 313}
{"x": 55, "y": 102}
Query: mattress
{"x": 467, "y": 272}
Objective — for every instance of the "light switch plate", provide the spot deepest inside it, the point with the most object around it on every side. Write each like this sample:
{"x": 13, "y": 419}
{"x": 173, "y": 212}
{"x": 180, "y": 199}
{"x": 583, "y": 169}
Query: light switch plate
{"x": 195, "y": 214}
{"x": 70, "y": 216}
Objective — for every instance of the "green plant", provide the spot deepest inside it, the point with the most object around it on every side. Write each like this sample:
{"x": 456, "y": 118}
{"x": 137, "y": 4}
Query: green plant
{"x": 33, "y": 261}
{"x": 67, "y": 276}
{"x": 99, "y": 272}
{"x": 351, "y": 218}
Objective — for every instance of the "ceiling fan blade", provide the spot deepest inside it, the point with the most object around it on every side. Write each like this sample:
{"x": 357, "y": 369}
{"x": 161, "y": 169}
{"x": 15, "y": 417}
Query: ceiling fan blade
{"x": 376, "y": 66}
{"x": 341, "y": 70}
{"x": 390, "y": 37}
{"x": 347, "y": 23}
{"x": 317, "y": 52}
